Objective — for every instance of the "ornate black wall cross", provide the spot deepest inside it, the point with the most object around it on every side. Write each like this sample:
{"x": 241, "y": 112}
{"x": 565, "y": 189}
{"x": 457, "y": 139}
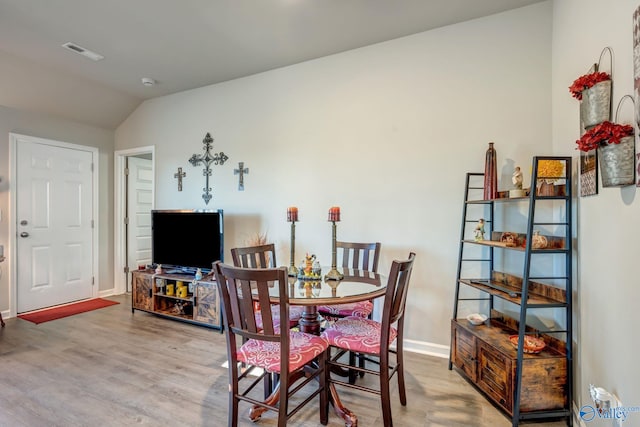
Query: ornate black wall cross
{"x": 207, "y": 159}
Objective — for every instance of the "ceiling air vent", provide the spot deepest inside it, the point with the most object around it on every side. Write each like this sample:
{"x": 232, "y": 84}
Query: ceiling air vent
{"x": 82, "y": 51}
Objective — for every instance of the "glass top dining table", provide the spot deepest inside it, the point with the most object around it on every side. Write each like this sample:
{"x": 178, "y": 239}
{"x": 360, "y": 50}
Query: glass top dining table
{"x": 356, "y": 286}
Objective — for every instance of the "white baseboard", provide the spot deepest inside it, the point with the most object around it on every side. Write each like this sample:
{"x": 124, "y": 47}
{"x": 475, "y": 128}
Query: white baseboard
{"x": 430, "y": 349}
{"x": 108, "y": 293}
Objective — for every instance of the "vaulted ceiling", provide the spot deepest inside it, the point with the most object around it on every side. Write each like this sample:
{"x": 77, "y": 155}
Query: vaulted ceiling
{"x": 187, "y": 44}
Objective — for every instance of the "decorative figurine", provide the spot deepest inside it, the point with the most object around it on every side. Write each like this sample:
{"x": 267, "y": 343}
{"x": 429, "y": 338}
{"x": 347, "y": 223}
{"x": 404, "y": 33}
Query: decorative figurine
{"x": 517, "y": 184}
{"x": 198, "y": 275}
{"x": 479, "y": 231}
{"x": 159, "y": 269}
{"x": 309, "y": 269}
{"x": 308, "y": 264}
{"x": 517, "y": 178}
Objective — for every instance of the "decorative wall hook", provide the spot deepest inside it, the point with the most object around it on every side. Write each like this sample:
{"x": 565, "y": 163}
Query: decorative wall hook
{"x": 610, "y": 52}
{"x": 208, "y": 159}
{"x": 241, "y": 171}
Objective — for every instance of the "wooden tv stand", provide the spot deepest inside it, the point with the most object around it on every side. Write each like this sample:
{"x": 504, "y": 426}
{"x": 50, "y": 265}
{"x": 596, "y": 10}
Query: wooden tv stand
{"x": 201, "y": 305}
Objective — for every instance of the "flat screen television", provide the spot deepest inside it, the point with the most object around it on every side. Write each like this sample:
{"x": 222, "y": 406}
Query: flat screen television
{"x": 185, "y": 240}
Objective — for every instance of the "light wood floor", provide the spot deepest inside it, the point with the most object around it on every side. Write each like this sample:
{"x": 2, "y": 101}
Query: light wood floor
{"x": 110, "y": 367}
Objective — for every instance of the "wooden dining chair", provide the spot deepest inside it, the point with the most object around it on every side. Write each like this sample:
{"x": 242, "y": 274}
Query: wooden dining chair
{"x": 297, "y": 357}
{"x": 263, "y": 256}
{"x": 358, "y": 256}
{"x": 374, "y": 339}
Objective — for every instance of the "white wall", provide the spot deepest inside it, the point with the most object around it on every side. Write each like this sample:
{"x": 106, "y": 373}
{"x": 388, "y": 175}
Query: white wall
{"x": 607, "y": 288}
{"x": 26, "y": 123}
{"x": 387, "y": 132}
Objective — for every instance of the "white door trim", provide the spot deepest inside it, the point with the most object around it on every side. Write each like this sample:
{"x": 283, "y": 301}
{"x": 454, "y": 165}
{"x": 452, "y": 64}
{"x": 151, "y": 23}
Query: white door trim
{"x": 119, "y": 259}
{"x": 12, "y": 267}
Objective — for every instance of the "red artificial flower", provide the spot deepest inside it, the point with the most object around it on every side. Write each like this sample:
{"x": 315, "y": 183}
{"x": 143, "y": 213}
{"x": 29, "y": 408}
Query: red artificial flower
{"x": 603, "y": 134}
{"x": 587, "y": 81}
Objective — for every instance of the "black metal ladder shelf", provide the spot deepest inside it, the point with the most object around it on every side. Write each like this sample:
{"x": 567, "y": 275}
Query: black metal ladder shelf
{"x": 530, "y": 291}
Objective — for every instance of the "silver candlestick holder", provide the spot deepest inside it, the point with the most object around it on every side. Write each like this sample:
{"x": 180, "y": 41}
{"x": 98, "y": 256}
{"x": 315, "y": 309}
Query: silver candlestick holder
{"x": 293, "y": 270}
{"x": 334, "y": 274}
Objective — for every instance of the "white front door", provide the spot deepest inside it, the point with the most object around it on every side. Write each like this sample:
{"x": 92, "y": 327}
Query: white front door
{"x": 139, "y": 204}
{"x": 54, "y": 215}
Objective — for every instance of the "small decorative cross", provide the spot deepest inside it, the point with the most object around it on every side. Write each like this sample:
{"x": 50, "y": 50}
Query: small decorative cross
{"x": 207, "y": 159}
{"x": 241, "y": 171}
{"x": 179, "y": 175}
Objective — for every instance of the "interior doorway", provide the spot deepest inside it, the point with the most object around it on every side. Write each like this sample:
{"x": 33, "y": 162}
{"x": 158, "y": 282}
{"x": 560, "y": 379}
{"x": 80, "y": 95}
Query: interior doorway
{"x": 134, "y": 200}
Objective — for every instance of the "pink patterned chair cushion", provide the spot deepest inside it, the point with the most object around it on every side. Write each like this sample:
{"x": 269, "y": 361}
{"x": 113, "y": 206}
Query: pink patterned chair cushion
{"x": 357, "y": 334}
{"x": 359, "y": 309}
{"x": 303, "y": 348}
{"x": 295, "y": 314}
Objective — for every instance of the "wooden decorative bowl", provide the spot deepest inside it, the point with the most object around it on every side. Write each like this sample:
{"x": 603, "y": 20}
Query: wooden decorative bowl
{"x": 532, "y": 345}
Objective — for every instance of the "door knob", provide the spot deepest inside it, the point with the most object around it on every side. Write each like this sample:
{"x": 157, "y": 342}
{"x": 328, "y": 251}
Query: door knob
{"x": 24, "y": 234}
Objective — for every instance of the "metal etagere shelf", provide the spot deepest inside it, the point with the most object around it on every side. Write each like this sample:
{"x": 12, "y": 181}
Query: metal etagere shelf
{"x": 527, "y": 383}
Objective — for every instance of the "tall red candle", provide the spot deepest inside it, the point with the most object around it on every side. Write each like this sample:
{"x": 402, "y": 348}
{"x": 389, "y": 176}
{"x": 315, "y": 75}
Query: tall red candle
{"x": 334, "y": 213}
{"x": 292, "y": 214}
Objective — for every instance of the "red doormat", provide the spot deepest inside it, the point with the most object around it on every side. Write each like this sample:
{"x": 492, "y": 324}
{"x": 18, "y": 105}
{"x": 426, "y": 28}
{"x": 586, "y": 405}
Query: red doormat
{"x": 66, "y": 310}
